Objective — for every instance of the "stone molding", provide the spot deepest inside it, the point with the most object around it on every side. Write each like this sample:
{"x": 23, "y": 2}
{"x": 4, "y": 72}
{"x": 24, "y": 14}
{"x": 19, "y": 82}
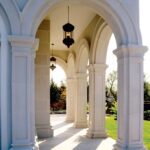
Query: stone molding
{"x": 130, "y": 51}
{"x": 22, "y": 41}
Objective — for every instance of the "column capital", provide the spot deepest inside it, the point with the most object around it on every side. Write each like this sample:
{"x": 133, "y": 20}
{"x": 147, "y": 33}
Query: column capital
{"x": 130, "y": 51}
{"x": 23, "y": 42}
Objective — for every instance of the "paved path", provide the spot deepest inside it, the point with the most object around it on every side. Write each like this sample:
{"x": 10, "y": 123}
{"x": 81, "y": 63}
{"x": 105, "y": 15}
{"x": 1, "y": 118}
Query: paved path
{"x": 66, "y": 137}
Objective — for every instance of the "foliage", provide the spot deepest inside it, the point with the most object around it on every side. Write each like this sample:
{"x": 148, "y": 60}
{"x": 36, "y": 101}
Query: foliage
{"x": 57, "y": 96}
{"x": 146, "y": 100}
{"x": 54, "y": 93}
{"x": 111, "y": 96}
{"x": 146, "y": 91}
{"x": 111, "y": 93}
{"x": 147, "y": 115}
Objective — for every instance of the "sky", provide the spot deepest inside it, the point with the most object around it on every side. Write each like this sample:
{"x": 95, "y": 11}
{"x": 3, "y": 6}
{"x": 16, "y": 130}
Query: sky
{"x": 145, "y": 30}
{"x": 58, "y": 75}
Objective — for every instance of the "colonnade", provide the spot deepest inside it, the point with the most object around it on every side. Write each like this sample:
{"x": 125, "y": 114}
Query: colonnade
{"x": 21, "y": 23}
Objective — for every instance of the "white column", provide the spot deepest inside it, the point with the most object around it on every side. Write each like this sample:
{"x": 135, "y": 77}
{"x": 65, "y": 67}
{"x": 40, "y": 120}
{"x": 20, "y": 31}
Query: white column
{"x": 42, "y": 95}
{"x": 97, "y": 101}
{"x": 5, "y": 93}
{"x": 70, "y": 99}
{"x": 23, "y": 111}
{"x": 42, "y": 87}
{"x": 130, "y": 97}
{"x": 81, "y": 100}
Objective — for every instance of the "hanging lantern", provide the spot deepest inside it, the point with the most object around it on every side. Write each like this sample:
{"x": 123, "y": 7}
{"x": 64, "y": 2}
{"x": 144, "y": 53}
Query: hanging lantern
{"x": 52, "y": 63}
{"x": 68, "y": 33}
{"x": 52, "y": 60}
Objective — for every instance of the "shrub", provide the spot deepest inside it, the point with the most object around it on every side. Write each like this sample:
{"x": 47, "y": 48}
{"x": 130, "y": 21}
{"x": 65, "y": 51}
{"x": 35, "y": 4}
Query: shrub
{"x": 147, "y": 115}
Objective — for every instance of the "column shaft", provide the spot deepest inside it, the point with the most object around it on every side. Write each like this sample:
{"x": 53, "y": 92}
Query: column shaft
{"x": 81, "y": 100}
{"x": 42, "y": 96}
{"x": 42, "y": 87}
{"x": 130, "y": 98}
{"x": 70, "y": 100}
{"x": 97, "y": 101}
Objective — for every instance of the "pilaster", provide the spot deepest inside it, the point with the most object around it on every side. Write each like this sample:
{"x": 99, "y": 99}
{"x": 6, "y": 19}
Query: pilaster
{"x": 81, "y": 101}
{"x": 130, "y": 97}
{"x": 23, "y": 111}
{"x": 97, "y": 101}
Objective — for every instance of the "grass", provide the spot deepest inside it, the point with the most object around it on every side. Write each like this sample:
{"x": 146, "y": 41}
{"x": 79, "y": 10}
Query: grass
{"x": 111, "y": 127}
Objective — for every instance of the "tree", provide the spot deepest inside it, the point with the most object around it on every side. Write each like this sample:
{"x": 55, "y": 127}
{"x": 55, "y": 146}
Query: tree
{"x": 57, "y": 96}
{"x": 146, "y": 91}
{"x": 54, "y": 93}
{"x": 111, "y": 93}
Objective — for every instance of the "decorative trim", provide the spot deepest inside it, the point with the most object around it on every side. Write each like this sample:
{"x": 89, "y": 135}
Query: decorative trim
{"x": 130, "y": 51}
{"x": 22, "y": 41}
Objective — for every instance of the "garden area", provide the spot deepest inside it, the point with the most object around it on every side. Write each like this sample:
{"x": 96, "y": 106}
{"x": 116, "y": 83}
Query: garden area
{"x": 111, "y": 126}
{"x": 58, "y": 105}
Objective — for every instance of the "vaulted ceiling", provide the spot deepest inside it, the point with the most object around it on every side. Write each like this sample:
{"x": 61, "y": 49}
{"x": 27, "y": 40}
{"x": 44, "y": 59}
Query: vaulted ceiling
{"x": 80, "y": 17}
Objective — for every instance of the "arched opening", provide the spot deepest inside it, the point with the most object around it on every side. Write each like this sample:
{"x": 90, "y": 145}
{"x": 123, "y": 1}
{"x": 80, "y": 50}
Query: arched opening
{"x": 101, "y": 63}
{"x": 58, "y": 90}
{"x": 112, "y": 14}
{"x": 144, "y": 25}
{"x": 111, "y": 90}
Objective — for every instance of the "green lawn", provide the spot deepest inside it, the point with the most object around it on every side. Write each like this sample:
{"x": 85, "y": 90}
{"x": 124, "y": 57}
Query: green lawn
{"x": 112, "y": 130}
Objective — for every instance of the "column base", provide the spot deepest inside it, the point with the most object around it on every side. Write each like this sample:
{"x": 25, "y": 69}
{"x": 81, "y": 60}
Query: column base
{"x": 96, "y": 134}
{"x": 44, "y": 131}
{"x": 119, "y": 146}
{"x": 24, "y": 147}
{"x": 80, "y": 125}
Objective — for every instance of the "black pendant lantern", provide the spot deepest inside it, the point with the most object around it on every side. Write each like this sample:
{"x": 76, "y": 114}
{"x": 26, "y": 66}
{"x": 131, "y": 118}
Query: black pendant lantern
{"x": 68, "y": 33}
{"x": 52, "y": 60}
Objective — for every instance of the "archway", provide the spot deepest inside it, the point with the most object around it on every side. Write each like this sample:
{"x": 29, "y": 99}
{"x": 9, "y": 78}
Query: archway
{"x": 123, "y": 27}
{"x": 129, "y": 53}
{"x": 111, "y": 90}
{"x": 58, "y": 87}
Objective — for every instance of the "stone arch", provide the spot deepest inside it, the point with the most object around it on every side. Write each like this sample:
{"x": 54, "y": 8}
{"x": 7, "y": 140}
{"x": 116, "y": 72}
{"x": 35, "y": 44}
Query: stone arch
{"x": 100, "y": 42}
{"x": 5, "y": 82}
{"x": 82, "y": 56}
{"x": 114, "y": 13}
{"x": 15, "y": 24}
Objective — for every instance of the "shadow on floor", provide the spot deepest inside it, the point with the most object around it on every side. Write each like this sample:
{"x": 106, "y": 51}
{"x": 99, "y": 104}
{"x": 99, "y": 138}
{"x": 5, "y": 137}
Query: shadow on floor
{"x": 66, "y": 137}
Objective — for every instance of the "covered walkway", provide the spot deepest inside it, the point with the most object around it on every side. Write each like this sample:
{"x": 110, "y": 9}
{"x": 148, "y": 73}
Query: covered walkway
{"x": 66, "y": 137}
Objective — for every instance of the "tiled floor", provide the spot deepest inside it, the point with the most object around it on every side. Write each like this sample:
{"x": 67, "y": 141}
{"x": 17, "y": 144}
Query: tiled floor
{"x": 66, "y": 137}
